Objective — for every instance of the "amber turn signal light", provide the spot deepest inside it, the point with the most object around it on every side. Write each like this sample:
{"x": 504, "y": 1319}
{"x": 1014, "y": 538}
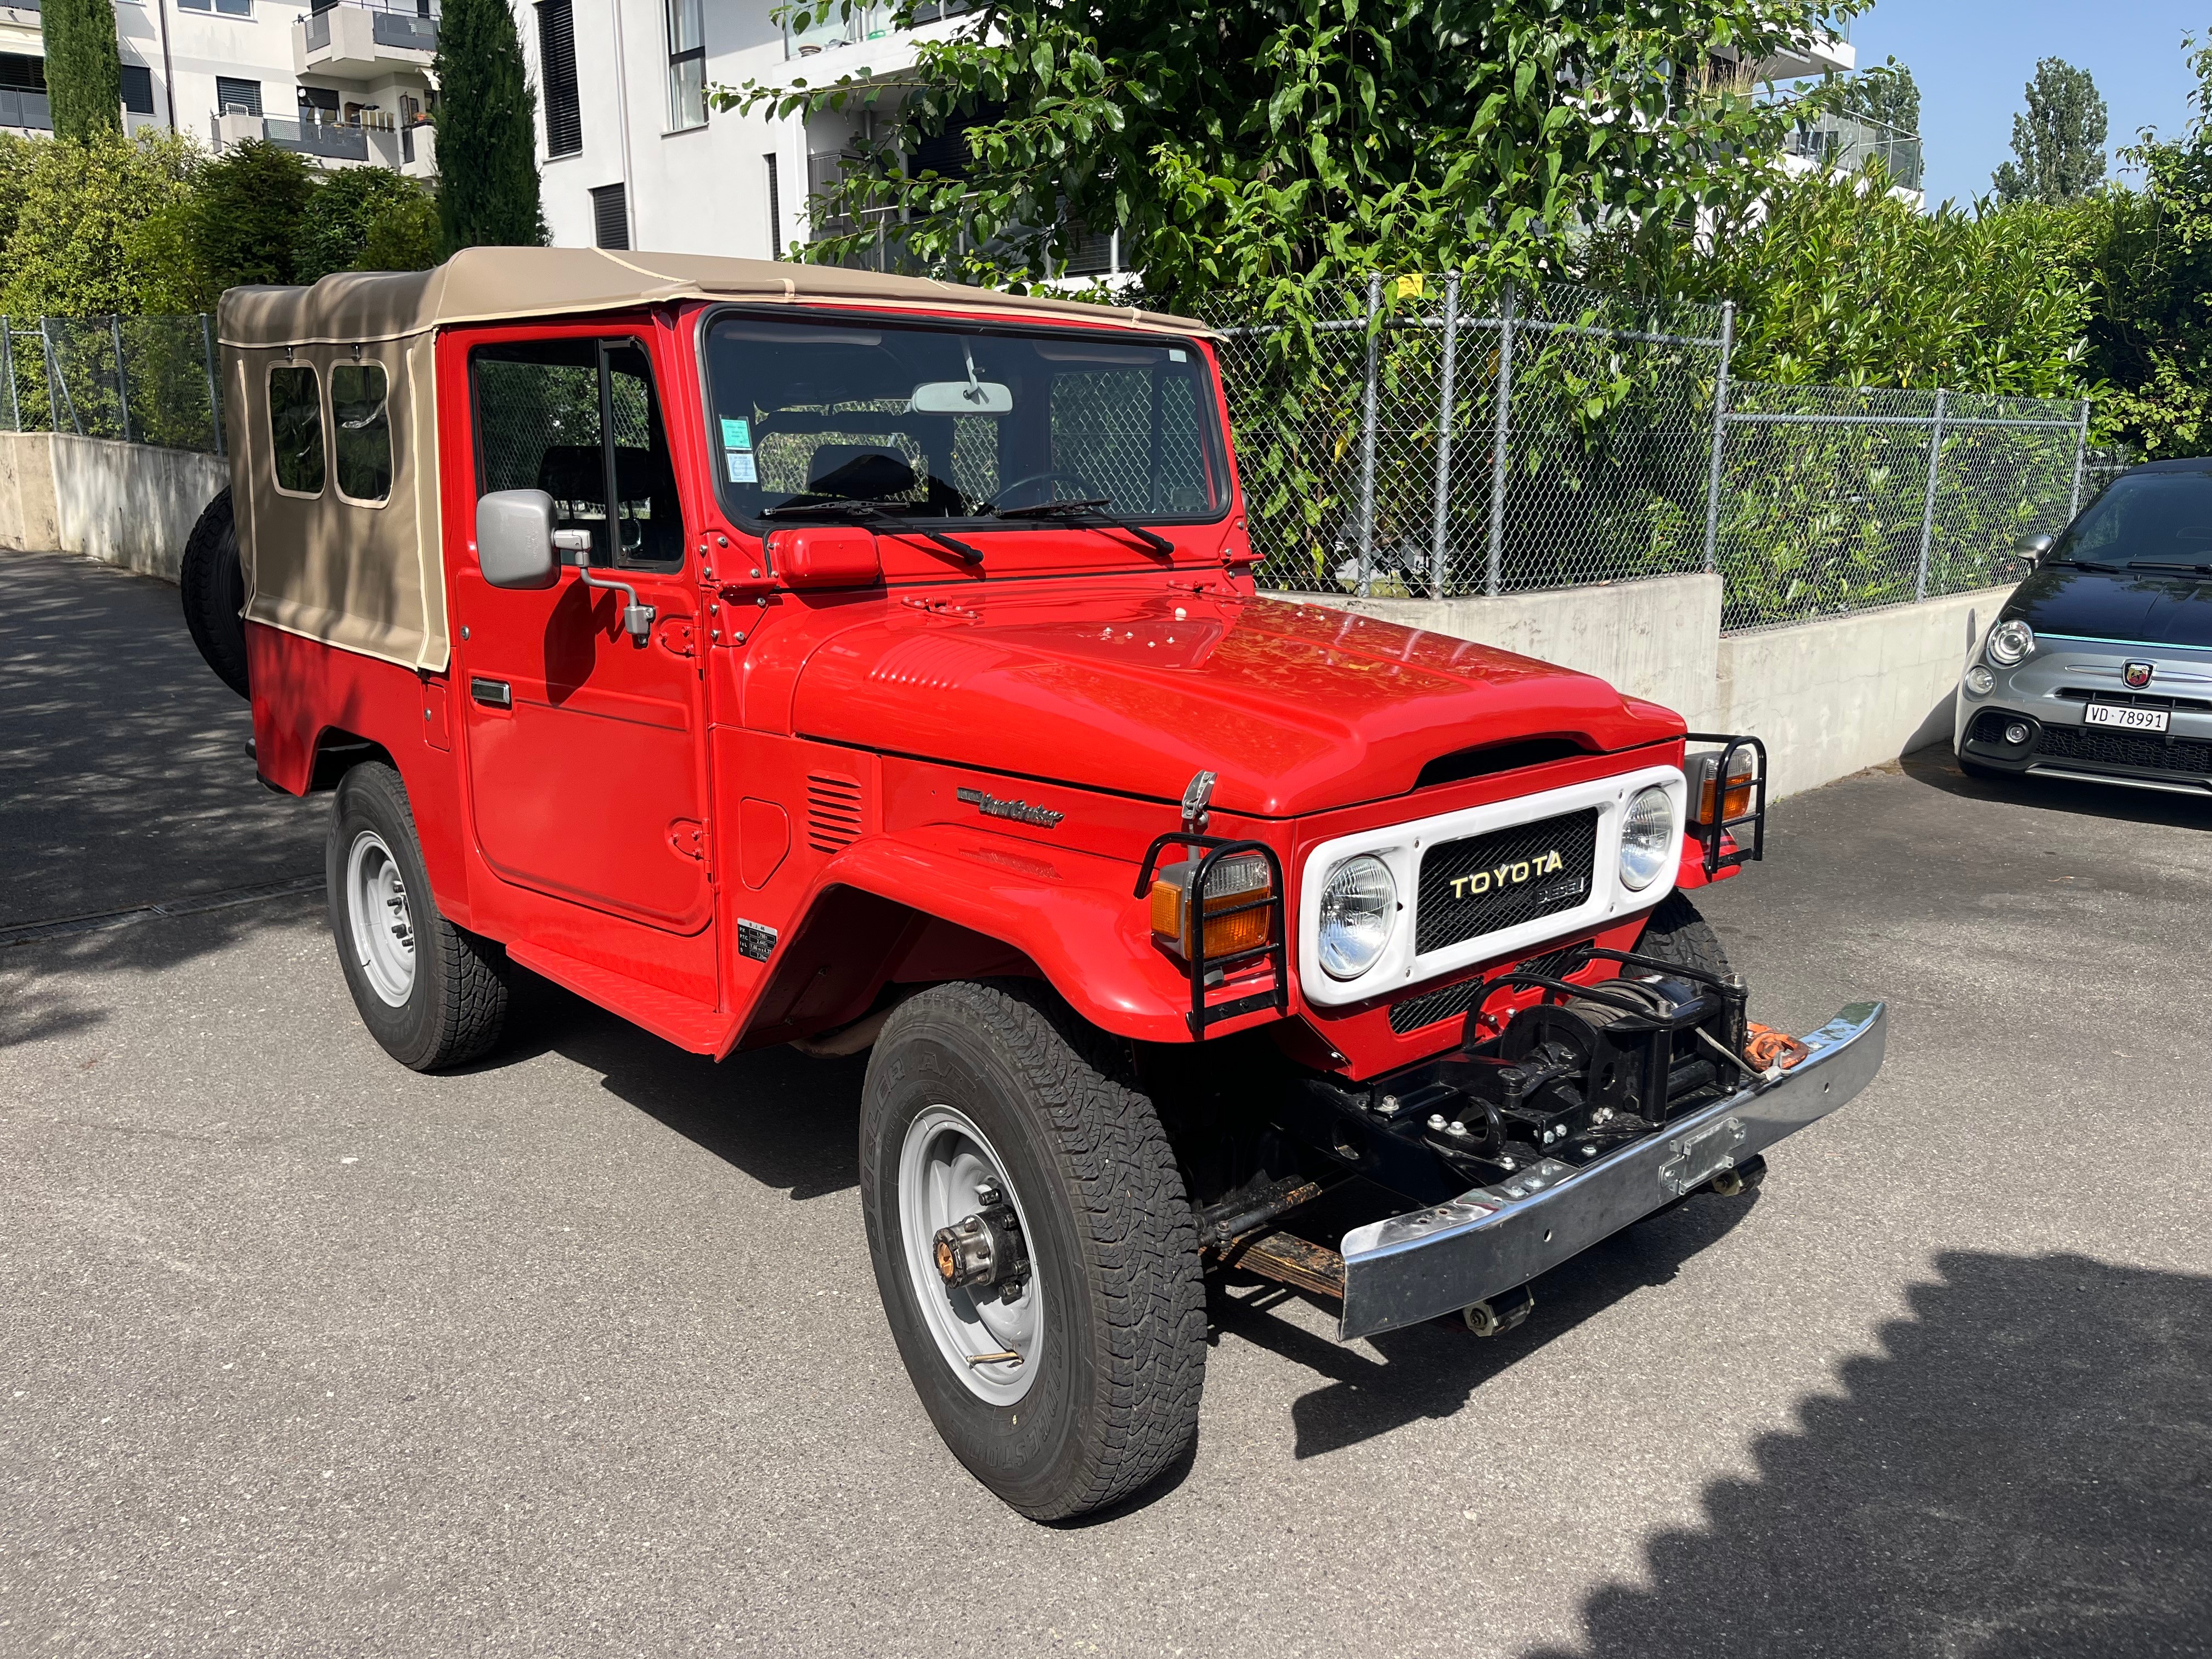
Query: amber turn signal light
{"x": 1237, "y": 916}
{"x": 1735, "y": 797}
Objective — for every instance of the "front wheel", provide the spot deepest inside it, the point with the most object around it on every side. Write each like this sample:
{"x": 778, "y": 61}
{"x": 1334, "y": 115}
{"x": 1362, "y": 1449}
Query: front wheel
{"x": 432, "y": 994}
{"x": 1034, "y": 1247}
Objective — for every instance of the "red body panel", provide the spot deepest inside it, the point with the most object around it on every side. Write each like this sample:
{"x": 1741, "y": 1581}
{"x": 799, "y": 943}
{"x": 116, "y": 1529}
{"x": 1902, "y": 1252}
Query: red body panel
{"x": 743, "y": 829}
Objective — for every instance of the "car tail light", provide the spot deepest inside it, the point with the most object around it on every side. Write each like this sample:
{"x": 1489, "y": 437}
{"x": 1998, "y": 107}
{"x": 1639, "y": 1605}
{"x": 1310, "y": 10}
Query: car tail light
{"x": 1735, "y": 797}
{"x": 1237, "y": 915}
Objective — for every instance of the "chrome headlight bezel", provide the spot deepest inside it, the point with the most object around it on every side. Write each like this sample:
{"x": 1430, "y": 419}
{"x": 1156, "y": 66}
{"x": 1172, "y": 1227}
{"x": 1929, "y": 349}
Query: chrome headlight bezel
{"x": 1647, "y": 837}
{"x": 1339, "y": 960}
{"x": 2011, "y": 643}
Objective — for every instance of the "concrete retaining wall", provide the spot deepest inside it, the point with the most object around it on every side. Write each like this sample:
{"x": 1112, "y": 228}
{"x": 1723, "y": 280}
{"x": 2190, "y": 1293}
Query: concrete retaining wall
{"x": 1829, "y": 697}
{"x": 126, "y": 504}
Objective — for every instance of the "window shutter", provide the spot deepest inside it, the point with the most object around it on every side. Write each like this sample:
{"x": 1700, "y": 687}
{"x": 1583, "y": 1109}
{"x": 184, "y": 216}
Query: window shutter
{"x": 556, "y": 64}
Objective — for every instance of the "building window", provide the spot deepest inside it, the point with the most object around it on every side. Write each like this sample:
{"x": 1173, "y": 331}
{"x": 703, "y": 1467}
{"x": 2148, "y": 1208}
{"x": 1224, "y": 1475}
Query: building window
{"x": 227, "y": 8}
{"x": 320, "y": 104}
{"x": 687, "y": 64}
{"x": 21, "y": 72}
{"x": 237, "y": 97}
{"x": 775, "y": 212}
{"x": 611, "y": 217}
{"x": 138, "y": 88}
{"x": 556, "y": 64}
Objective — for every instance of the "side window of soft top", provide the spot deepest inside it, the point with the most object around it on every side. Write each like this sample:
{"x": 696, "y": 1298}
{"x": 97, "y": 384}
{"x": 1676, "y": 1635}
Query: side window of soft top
{"x": 580, "y": 420}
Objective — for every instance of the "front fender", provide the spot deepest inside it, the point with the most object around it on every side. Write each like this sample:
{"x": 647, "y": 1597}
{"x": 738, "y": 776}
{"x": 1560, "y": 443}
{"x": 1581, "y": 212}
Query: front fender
{"x": 1070, "y": 913}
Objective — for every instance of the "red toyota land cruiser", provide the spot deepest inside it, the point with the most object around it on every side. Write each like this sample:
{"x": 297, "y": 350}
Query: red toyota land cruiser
{"x": 773, "y": 654}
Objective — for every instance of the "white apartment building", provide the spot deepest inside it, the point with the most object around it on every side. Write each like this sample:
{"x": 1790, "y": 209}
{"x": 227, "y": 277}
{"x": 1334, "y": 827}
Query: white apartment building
{"x": 344, "y": 82}
{"x": 629, "y": 152}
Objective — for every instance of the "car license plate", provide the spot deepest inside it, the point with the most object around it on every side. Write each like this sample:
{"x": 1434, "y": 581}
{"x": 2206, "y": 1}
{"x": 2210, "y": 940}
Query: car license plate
{"x": 2131, "y": 719}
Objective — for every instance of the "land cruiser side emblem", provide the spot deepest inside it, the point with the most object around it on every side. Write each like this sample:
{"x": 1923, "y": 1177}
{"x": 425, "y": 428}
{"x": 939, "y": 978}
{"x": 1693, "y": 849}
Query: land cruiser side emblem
{"x": 1506, "y": 875}
{"x": 1019, "y": 811}
{"x": 2136, "y": 674}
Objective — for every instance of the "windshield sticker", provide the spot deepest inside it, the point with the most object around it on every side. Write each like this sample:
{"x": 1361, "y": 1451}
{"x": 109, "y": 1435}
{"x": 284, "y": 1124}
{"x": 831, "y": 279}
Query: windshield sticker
{"x": 737, "y": 433}
{"x": 1175, "y": 354}
{"x": 742, "y": 470}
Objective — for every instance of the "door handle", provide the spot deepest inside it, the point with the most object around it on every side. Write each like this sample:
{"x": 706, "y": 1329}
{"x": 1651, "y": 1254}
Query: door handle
{"x": 493, "y": 694}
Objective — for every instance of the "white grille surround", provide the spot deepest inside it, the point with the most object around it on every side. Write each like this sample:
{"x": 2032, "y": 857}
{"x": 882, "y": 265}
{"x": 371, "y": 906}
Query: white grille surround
{"x": 1400, "y": 846}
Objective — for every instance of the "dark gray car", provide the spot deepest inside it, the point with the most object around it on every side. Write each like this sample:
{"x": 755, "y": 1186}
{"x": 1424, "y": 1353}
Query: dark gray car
{"x": 2100, "y": 666}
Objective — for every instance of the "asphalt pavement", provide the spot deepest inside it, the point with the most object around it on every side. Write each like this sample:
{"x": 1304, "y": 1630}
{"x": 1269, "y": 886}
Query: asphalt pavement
{"x": 578, "y": 1352}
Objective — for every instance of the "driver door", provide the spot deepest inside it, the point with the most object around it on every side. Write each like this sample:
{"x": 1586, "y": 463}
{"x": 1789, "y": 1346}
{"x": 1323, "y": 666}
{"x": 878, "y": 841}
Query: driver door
{"x": 585, "y": 754}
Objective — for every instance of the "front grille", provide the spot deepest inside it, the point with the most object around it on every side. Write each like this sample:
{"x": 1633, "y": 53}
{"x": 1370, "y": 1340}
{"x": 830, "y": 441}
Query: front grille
{"x": 2133, "y": 749}
{"x": 1489, "y": 882}
{"x": 833, "y": 811}
{"x": 1453, "y": 1000}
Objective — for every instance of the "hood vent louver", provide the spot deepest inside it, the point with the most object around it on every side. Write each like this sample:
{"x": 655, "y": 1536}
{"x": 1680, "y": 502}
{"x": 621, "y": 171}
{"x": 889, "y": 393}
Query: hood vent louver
{"x": 833, "y": 811}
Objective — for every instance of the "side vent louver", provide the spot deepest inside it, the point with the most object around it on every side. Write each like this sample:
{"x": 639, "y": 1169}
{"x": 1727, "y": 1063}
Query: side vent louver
{"x": 833, "y": 811}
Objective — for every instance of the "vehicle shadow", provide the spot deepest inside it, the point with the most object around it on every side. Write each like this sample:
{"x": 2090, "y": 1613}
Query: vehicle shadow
{"x": 787, "y": 1121}
{"x": 2025, "y": 1469}
{"x": 124, "y": 782}
{"x": 1433, "y": 1369}
{"x": 1938, "y": 768}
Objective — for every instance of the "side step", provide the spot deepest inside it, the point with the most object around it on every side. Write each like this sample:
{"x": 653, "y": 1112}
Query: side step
{"x": 678, "y": 1019}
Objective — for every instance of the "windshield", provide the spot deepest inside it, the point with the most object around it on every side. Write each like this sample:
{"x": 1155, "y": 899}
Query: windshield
{"x": 947, "y": 423}
{"x": 2144, "y": 520}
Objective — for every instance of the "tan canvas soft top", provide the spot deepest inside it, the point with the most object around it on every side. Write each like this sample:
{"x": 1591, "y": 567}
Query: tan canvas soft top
{"x": 367, "y": 575}
{"x": 490, "y": 284}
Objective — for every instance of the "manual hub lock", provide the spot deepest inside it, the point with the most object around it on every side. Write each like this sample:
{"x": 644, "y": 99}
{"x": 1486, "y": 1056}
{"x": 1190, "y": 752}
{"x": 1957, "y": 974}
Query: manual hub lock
{"x": 983, "y": 1251}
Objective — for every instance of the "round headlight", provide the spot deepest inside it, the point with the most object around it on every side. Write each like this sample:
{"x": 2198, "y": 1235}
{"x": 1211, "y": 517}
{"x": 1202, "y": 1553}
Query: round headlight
{"x": 1979, "y": 680}
{"x": 1647, "y": 835}
{"x": 2010, "y": 642}
{"x": 1359, "y": 908}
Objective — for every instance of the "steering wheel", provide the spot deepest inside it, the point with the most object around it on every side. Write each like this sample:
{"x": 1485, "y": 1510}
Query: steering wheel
{"x": 1084, "y": 491}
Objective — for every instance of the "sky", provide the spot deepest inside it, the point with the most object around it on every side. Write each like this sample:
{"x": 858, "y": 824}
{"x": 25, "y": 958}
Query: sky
{"x": 1972, "y": 59}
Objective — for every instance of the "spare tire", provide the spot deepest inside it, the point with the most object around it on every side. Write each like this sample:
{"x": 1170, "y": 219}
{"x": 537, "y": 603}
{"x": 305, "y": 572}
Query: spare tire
{"x": 214, "y": 583}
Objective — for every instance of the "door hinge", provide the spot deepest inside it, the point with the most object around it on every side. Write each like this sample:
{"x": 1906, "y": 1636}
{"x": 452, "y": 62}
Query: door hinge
{"x": 688, "y": 839}
{"x": 677, "y": 638}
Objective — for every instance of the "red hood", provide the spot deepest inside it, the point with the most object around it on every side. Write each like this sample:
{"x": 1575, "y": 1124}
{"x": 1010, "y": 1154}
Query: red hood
{"x": 1297, "y": 708}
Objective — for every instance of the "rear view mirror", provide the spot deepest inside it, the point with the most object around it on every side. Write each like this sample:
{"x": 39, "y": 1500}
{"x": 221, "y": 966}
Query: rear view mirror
{"x": 2035, "y": 546}
{"x": 514, "y": 538}
{"x": 961, "y": 397}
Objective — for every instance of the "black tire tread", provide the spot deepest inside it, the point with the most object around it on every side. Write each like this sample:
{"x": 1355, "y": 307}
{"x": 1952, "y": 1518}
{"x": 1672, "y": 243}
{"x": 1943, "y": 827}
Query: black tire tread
{"x": 470, "y": 973}
{"x": 1135, "y": 1220}
{"x": 206, "y": 577}
{"x": 1678, "y": 931}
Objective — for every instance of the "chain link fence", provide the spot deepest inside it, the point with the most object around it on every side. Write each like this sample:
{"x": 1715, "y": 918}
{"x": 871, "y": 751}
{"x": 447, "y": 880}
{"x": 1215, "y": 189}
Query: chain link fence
{"x": 142, "y": 379}
{"x": 1417, "y": 440}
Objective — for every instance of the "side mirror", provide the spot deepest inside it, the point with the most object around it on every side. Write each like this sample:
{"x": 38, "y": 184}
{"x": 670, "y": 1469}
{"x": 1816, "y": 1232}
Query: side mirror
{"x": 827, "y": 557}
{"x": 514, "y": 538}
{"x": 2037, "y": 545}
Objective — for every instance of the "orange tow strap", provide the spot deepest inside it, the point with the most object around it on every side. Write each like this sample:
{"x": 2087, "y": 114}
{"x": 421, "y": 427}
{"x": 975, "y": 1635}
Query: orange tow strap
{"x": 1766, "y": 1048}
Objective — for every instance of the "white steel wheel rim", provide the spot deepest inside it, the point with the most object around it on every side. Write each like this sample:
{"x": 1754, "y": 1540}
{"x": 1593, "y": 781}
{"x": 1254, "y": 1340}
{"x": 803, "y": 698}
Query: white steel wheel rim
{"x": 945, "y": 1162}
{"x": 382, "y": 924}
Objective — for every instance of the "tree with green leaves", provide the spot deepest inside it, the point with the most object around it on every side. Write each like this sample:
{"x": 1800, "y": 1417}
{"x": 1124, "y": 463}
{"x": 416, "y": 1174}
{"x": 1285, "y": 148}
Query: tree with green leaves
{"x": 359, "y": 212}
{"x": 84, "y": 67}
{"x": 1295, "y": 145}
{"x": 2058, "y": 146}
{"x": 487, "y": 126}
{"x": 243, "y": 218}
{"x": 85, "y": 223}
{"x": 1886, "y": 95}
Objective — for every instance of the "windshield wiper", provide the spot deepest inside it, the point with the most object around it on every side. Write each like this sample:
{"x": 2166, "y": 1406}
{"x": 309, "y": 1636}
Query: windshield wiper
{"x": 1088, "y": 509}
{"x": 2166, "y": 564}
{"x": 2089, "y": 565}
{"x": 869, "y": 513}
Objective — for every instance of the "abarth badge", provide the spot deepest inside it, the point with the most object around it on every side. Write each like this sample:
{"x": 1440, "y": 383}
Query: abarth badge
{"x": 2136, "y": 674}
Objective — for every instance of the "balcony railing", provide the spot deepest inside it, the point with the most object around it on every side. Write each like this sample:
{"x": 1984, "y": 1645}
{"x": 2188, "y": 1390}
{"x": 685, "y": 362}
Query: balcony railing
{"x": 1844, "y": 143}
{"x": 864, "y": 24}
{"x": 25, "y": 109}
{"x": 403, "y": 25}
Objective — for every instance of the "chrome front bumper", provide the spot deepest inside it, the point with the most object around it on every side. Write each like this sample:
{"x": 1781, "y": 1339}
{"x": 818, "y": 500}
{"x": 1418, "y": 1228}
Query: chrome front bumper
{"x": 1429, "y": 1262}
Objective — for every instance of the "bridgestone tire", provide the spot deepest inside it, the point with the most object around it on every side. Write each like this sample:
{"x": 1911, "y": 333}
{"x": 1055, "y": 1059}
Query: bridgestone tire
{"x": 213, "y": 581}
{"x": 457, "y": 1004}
{"x": 1113, "y": 1403}
{"x": 1676, "y": 932}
